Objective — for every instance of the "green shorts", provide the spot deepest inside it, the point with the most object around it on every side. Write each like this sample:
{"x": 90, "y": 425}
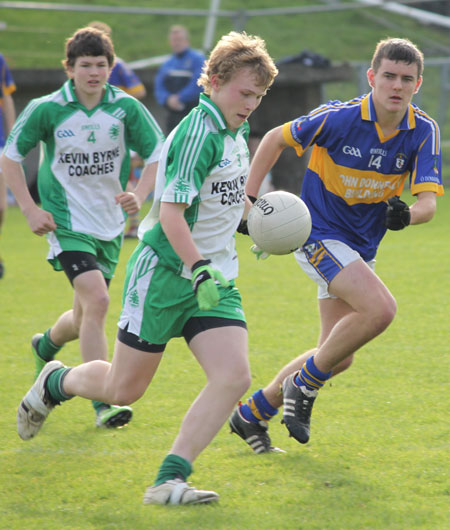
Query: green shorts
{"x": 157, "y": 302}
{"x": 106, "y": 252}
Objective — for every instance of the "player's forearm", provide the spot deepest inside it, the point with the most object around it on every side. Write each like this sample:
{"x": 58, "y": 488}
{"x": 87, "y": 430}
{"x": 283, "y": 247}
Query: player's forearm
{"x": 15, "y": 178}
{"x": 146, "y": 183}
{"x": 178, "y": 233}
{"x": 424, "y": 208}
{"x": 268, "y": 152}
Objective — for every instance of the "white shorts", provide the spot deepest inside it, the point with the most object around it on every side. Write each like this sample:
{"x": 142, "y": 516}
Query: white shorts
{"x": 323, "y": 259}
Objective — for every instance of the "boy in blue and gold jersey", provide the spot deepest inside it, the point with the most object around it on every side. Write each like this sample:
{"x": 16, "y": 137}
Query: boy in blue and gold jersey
{"x": 7, "y": 119}
{"x": 354, "y": 168}
{"x": 363, "y": 151}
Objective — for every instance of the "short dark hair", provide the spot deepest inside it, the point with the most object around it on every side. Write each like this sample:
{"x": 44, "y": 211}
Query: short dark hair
{"x": 396, "y": 49}
{"x": 91, "y": 42}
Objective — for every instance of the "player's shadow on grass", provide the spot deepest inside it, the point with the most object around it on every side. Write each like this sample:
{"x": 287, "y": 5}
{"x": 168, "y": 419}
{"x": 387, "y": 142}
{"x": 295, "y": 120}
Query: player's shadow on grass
{"x": 303, "y": 478}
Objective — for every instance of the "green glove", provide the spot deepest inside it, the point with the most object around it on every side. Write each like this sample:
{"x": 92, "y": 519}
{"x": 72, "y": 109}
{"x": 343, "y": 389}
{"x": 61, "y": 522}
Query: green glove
{"x": 204, "y": 285}
{"x": 259, "y": 252}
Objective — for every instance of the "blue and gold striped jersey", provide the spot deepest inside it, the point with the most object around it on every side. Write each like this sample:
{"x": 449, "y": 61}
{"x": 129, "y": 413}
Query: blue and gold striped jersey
{"x": 354, "y": 168}
{"x": 122, "y": 76}
{"x": 7, "y": 87}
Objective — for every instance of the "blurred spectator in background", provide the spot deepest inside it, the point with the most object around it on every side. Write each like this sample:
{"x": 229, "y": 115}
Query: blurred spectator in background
{"x": 123, "y": 77}
{"x": 7, "y": 119}
{"x": 176, "y": 81}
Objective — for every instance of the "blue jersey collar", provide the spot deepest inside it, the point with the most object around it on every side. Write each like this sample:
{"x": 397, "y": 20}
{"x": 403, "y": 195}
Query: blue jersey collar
{"x": 368, "y": 113}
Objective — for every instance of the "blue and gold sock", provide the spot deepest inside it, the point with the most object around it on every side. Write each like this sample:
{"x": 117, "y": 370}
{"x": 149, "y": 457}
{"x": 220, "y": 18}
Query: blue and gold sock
{"x": 310, "y": 376}
{"x": 257, "y": 408}
{"x": 54, "y": 385}
{"x": 47, "y": 349}
{"x": 173, "y": 466}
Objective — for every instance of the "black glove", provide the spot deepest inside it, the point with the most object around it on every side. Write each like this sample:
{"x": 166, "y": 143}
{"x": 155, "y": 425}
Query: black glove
{"x": 243, "y": 228}
{"x": 398, "y": 215}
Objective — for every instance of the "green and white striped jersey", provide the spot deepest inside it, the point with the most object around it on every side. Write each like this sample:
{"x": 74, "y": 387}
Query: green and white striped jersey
{"x": 204, "y": 165}
{"x": 85, "y": 158}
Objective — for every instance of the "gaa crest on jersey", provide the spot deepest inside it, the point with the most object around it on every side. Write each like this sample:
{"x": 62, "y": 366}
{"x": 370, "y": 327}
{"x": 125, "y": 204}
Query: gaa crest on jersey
{"x": 352, "y": 151}
{"x": 224, "y": 163}
{"x": 400, "y": 161}
{"x": 65, "y": 133}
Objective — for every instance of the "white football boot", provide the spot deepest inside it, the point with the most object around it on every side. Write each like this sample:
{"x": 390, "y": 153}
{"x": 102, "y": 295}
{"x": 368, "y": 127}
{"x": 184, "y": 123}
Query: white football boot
{"x": 36, "y": 405}
{"x": 177, "y": 491}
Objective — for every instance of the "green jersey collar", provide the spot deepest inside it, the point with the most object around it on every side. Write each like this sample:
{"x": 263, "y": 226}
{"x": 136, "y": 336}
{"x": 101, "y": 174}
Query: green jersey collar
{"x": 68, "y": 92}
{"x": 213, "y": 110}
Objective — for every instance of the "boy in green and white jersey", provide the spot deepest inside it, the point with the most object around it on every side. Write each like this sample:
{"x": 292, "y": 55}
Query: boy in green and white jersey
{"x": 207, "y": 171}
{"x": 180, "y": 279}
{"x": 86, "y": 130}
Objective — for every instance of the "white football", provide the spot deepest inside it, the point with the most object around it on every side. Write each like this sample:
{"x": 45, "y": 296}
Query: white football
{"x": 279, "y": 222}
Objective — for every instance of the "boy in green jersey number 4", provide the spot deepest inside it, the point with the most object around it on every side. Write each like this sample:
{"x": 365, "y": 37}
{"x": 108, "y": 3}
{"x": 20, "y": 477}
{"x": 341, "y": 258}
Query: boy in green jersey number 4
{"x": 87, "y": 129}
{"x": 180, "y": 279}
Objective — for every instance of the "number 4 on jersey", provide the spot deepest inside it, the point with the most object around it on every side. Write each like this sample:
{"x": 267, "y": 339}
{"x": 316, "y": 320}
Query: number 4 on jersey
{"x": 91, "y": 138}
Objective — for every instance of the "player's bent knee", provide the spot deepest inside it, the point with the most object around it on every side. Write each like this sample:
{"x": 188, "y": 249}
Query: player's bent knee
{"x": 387, "y": 314}
{"x": 381, "y": 314}
{"x": 245, "y": 385}
{"x": 102, "y": 303}
{"x": 125, "y": 396}
{"x": 241, "y": 383}
{"x": 380, "y": 323}
{"x": 125, "y": 391}
{"x": 232, "y": 384}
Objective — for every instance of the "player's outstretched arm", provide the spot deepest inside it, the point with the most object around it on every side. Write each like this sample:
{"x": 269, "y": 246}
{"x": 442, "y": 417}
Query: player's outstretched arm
{"x": 268, "y": 152}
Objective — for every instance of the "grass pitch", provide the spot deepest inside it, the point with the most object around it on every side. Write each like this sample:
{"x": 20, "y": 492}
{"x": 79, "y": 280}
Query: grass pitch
{"x": 378, "y": 455}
